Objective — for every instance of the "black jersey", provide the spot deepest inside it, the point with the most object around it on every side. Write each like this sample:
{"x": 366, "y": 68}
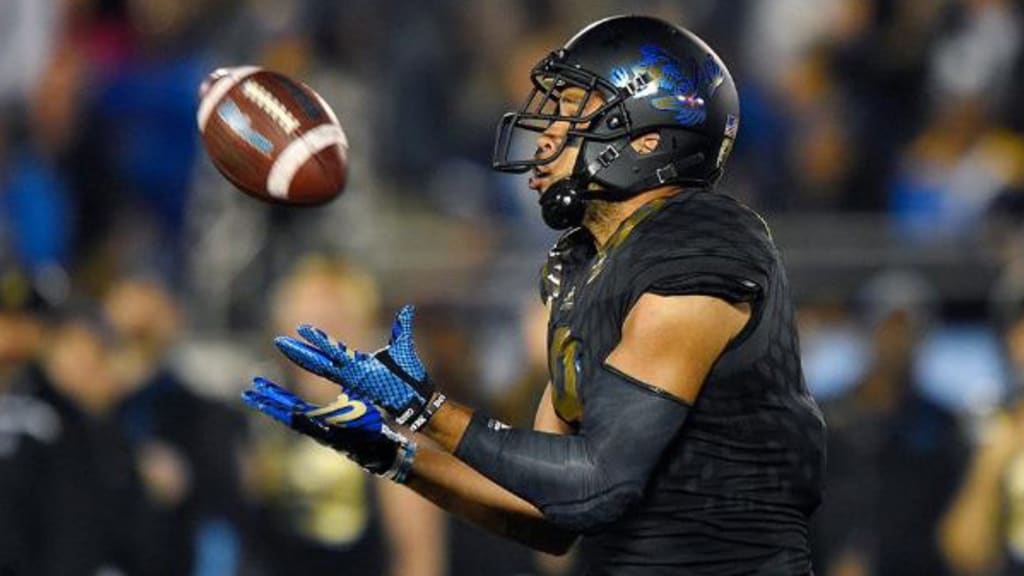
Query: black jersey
{"x": 733, "y": 493}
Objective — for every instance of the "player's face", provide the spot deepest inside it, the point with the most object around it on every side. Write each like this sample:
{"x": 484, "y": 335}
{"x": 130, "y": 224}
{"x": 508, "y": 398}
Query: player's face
{"x": 552, "y": 140}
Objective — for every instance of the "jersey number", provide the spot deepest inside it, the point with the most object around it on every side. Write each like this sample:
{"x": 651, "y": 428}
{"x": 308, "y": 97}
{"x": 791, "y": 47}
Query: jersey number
{"x": 564, "y": 365}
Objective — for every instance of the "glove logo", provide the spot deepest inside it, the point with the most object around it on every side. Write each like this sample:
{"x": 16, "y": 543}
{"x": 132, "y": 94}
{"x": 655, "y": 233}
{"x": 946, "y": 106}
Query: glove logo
{"x": 342, "y": 410}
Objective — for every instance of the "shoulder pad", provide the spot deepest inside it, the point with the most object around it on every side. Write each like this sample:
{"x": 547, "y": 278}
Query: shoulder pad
{"x": 705, "y": 243}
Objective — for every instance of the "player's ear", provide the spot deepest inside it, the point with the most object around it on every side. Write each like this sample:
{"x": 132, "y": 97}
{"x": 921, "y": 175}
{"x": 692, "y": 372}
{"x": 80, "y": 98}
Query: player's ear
{"x": 646, "y": 143}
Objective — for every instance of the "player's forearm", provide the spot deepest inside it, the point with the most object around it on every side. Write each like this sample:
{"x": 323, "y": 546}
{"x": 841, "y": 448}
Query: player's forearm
{"x": 580, "y": 482}
{"x": 448, "y": 425}
{"x": 454, "y": 486}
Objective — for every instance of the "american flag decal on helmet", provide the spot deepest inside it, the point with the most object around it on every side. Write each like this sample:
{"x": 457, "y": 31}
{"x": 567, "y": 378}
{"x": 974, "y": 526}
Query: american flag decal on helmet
{"x": 732, "y": 126}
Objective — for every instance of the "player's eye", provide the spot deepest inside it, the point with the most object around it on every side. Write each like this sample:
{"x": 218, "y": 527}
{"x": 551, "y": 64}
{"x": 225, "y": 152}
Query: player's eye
{"x": 568, "y": 106}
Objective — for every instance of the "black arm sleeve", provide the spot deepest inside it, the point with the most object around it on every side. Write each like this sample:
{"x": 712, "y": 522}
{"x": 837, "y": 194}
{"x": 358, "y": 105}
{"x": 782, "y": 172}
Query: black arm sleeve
{"x": 582, "y": 482}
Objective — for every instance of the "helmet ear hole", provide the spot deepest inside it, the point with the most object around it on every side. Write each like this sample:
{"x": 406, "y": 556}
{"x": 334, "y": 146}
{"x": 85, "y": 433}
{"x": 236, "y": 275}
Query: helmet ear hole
{"x": 646, "y": 143}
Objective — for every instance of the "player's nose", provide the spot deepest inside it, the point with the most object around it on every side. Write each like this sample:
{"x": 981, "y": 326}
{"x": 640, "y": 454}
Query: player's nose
{"x": 547, "y": 145}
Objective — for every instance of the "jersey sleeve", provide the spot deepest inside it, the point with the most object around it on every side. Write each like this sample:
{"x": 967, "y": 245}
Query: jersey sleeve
{"x": 710, "y": 245}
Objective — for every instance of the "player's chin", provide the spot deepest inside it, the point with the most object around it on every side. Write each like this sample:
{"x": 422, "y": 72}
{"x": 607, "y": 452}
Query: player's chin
{"x": 540, "y": 184}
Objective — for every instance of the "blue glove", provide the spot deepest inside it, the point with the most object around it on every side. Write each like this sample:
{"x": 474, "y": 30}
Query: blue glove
{"x": 393, "y": 377}
{"x": 349, "y": 425}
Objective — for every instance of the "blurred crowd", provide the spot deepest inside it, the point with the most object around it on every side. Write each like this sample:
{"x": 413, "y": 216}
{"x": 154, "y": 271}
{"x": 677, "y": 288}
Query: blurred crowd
{"x": 883, "y": 140}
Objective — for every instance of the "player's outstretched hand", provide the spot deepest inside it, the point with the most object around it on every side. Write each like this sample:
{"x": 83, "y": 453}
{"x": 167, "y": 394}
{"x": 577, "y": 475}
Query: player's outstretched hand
{"x": 393, "y": 377}
{"x": 349, "y": 425}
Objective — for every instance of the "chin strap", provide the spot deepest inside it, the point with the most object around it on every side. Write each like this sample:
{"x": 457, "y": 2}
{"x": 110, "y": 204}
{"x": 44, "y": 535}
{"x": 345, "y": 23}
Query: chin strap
{"x": 563, "y": 204}
{"x": 605, "y": 159}
{"x": 669, "y": 173}
{"x": 665, "y": 174}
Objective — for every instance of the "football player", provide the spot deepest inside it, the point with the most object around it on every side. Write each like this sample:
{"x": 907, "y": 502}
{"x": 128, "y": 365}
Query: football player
{"x": 676, "y": 435}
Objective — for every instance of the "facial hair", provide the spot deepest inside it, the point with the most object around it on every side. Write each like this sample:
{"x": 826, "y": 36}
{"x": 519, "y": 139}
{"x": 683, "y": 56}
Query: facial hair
{"x": 602, "y": 217}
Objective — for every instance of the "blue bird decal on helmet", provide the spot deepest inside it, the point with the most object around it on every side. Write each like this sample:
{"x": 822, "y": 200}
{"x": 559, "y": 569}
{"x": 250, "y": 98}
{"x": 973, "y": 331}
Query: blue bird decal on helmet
{"x": 683, "y": 88}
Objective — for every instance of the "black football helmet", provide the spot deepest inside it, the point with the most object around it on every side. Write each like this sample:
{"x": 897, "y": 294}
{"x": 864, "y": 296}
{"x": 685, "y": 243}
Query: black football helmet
{"x": 652, "y": 77}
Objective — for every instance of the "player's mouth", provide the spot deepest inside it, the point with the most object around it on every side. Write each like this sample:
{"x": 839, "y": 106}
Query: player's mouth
{"x": 538, "y": 179}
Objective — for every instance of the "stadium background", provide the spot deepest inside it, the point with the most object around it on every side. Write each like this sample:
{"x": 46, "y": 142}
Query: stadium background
{"x": 882, "y": 140}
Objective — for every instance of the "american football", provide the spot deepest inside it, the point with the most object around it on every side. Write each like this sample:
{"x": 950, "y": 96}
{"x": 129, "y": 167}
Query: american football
{"x": 272, "y": 137}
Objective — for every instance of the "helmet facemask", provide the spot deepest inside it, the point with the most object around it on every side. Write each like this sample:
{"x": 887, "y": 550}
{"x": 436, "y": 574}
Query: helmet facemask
{"x": 515, "y": 147}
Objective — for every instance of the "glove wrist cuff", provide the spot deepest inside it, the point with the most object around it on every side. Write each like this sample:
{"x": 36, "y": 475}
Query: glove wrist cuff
{"x": 399, "y": 471}
{"x": 427, "y": 411}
